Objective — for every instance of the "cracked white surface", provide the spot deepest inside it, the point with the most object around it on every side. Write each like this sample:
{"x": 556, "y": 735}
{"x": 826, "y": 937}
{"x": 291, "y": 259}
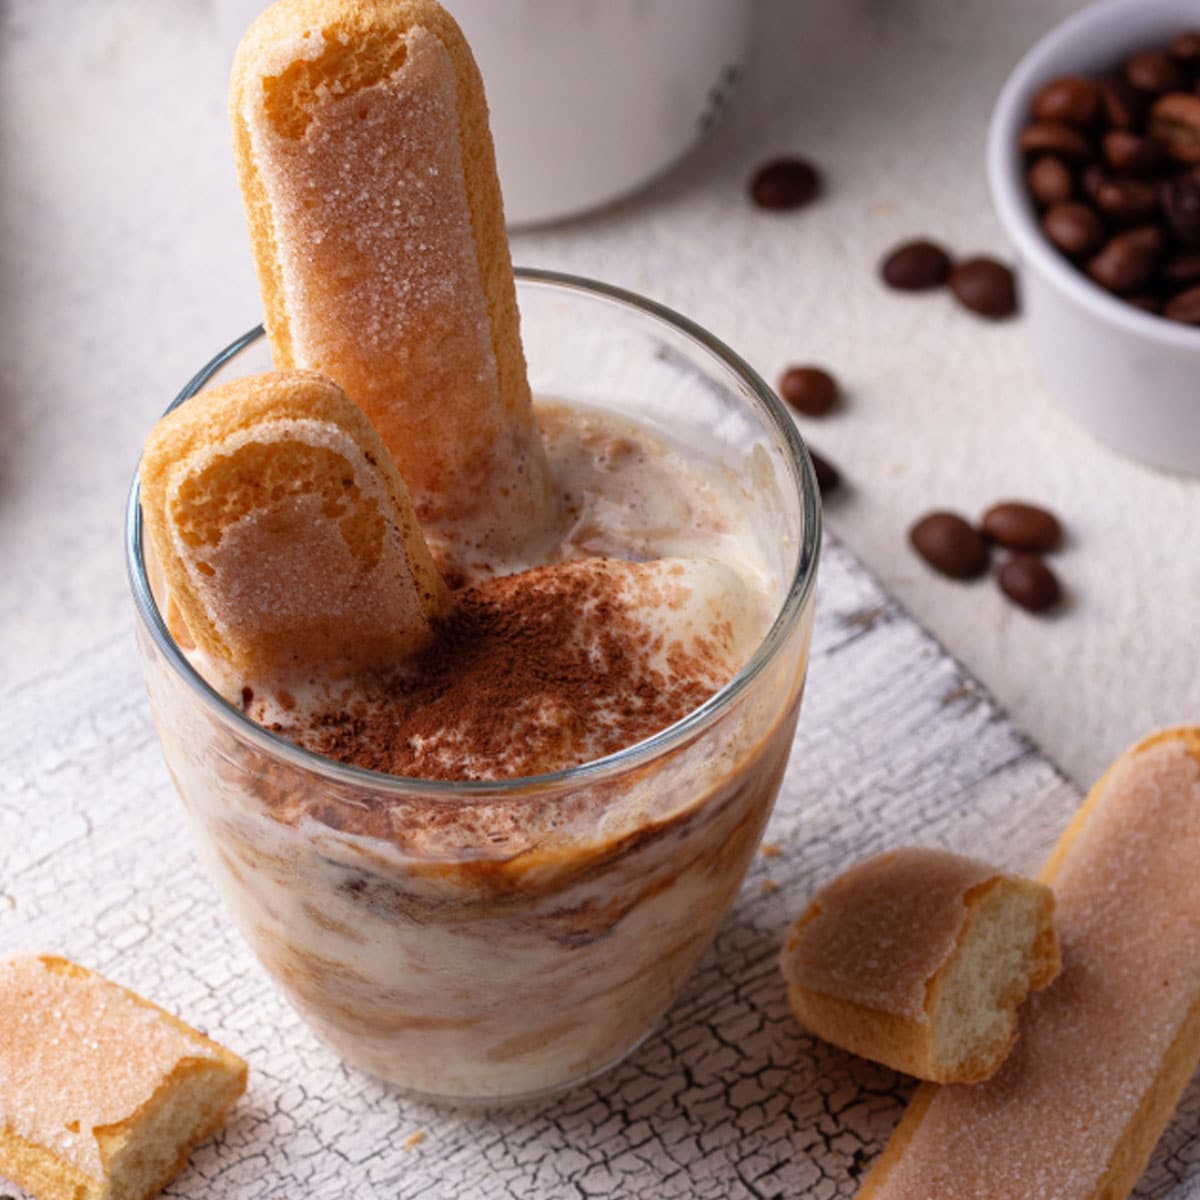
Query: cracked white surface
{"x": 727, "y": 1100}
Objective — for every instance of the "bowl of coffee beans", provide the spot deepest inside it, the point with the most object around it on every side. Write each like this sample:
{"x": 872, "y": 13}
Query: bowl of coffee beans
{"x": 1094, "y": 166}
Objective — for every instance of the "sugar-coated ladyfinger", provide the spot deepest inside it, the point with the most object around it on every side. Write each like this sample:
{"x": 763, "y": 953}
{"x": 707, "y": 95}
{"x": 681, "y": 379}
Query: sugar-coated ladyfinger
{"x": 284, "y": 532}
{"x": 919, "y": 959}
{"x": 369, "y": 179}
{"x": 1104, "y": 1052}
{"x": 102, "y": 1094}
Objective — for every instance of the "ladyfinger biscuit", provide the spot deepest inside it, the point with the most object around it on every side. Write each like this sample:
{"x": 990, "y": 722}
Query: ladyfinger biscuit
{"x": 102, "y": 1094}
{"x": 1106, "y": 1051}
{"x": 919, "y": 959}
{"x": 284, "y": 533}
{"x": 369, "y": 180}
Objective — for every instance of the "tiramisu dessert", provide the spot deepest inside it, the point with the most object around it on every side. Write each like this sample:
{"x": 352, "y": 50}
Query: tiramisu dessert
{"x": 450, "y": 604}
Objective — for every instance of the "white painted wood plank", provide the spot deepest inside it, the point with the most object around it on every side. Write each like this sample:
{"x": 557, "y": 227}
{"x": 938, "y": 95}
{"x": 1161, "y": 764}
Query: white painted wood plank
{"x": 726, "y": 1100}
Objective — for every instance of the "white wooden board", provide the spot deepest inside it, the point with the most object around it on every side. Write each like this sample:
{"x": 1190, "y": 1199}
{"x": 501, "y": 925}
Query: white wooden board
{"x": 727, "y": 1100}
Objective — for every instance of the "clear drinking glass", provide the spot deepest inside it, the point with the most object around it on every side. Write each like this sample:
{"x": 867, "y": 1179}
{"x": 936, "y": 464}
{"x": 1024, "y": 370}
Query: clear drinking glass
{"x": 494, "y": 941}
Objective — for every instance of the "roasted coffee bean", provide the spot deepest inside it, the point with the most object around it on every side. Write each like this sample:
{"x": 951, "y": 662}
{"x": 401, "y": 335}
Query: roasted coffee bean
{"x": 1072, "y": 99}
{"x": 1074, "y": 228}
{"x": 1126, "y": 200}
{"x": 1182, "y": 269}
{"x": 785, "y": 183}
{"x": 1018, "y": 526}
{"x": 1153, "y": 71}
{"x": 1184, "y": 307}
{"x": 1050, "y": 181}
{"x": 1130, "y": 154}
{"x": 1127, "y": 261}
{"x": 1093, "y": 178}
{"x": 829, "y": 478}
{"x": 1148, "y": 238}
{"x": 1027, "y": 581}
{"x": 1175, "y": 125}
{"x": 1115, "y": 173}
{"x": 809, "y": 390}
{"x": 949, "y": 544}
{"x": 1056, "y": 137}
{"x": 1124, "y": 106}
{"x": 1185, "y": 48}
{"x": 1181, "y": 206}
{"x": 1146, "y": 301}
{"x": 915, "y": 266}
{"x": 985, "y": 286}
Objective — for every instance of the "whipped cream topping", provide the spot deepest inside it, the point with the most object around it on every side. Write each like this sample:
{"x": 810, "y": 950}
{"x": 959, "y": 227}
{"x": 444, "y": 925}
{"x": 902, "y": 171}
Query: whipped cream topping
{"x": 565, "y": 649}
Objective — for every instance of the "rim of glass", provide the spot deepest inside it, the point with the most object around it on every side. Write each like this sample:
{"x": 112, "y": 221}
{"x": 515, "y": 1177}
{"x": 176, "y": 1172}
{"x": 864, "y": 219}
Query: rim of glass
{"x": 800, "y": 588}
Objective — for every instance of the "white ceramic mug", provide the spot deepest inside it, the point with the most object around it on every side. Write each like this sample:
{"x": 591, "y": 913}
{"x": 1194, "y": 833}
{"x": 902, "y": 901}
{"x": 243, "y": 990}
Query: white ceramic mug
{"x": 590, "y": 99}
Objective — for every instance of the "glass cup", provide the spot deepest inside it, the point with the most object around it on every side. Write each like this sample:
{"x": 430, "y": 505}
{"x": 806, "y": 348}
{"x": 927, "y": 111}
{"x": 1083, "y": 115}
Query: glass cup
{"x": 496, "y": 941}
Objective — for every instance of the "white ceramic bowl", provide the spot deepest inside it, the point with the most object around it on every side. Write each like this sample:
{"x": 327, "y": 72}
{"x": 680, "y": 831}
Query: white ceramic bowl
{"x": 1131, "y": 378}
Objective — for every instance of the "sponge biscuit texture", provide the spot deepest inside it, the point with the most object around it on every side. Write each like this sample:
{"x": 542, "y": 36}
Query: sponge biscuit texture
{"x": 919, "y": 959}
{"x": 102, "y": 1094}
{"x": 284, "y": 533}
{"x": 369, "y": 180}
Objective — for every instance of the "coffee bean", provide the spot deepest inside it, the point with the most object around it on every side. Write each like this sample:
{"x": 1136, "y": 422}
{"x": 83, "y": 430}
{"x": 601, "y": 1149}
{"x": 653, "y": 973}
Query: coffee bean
{"x": 1056, "y": 137}
{"x": 809, "y": 390}
{"x": 1184, "y": 307}
{"x": 1146, "y": 301}
{"x": 1123, "y": 105}
{"x": 1093, "y": 179}
{"x": 1131, "y": 154}
{"x": 1114, "y": 170}
{"x": 1072, "y": 99}
{"x": 1127, "y": 261}
{"x": 915, "y": 266}
{"x": 785, "y": 183}
{"x": 1181, "y": 206}
{"x": 1182, "y": 269}
{"x": 1126, "y": 200}
{"x": 1018, "y": 526}
{"x": 985, "y": 286}
{"x": 1027, "y": 581}
{"x": 1147, "y": 238}
{"x": 1074, "y": 228}
{"x": 1185, "y": 48}
{"x": 829, "y": 478}
{"x": 1050, "y": 181}
{"x": 1175, "y": 125}
{"x": 1153, "y": 71}
{"x": 950, "y": 545}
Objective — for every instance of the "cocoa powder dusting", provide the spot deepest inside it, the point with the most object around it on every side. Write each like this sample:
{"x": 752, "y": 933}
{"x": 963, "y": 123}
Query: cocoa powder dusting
{"x": 530, "y": 673}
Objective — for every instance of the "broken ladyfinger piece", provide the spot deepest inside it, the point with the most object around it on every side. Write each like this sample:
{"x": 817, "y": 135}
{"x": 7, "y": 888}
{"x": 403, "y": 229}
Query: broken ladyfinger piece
{"x": 920, "y": 959}
{"x": 102, "y": 1094}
